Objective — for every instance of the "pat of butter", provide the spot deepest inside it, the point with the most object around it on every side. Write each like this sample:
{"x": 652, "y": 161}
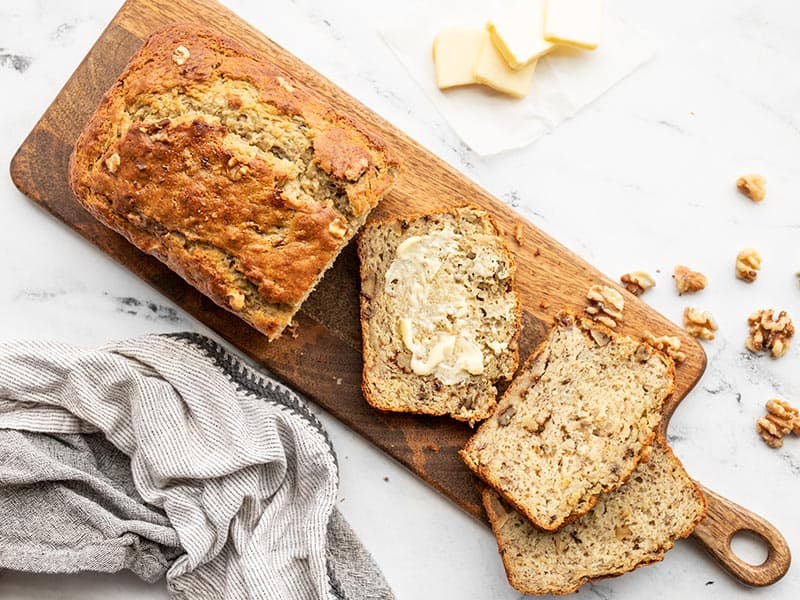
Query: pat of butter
{"x": 454, "y": 54}
{"x": 491, "y": 69}
{"x": 574, "y": 22}
{"x": 518, "y": 33}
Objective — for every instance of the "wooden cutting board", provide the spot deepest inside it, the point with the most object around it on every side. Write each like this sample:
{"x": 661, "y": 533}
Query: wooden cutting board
{"x": 324, "y": 360}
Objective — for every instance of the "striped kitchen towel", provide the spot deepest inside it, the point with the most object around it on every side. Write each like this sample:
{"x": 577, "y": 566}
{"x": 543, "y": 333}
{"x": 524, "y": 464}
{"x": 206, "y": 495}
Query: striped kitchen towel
{"x": 166, "y": 455}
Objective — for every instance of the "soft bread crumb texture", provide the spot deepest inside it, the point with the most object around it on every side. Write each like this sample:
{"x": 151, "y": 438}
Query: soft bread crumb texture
{"x": 206, "y": 156}
{"x": 574, "y": 422}
{"x": 630, "y": 527}
{"x": 436, "y": 290}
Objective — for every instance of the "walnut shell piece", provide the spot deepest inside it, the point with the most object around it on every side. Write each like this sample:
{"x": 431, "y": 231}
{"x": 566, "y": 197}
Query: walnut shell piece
{"x": 688, "y": 281}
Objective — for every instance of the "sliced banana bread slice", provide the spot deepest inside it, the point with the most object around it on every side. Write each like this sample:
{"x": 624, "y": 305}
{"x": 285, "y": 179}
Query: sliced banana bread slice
{"x": 573, "y": 423}
{"x": 440, "y": 315}
{"x": 630, "y": 527}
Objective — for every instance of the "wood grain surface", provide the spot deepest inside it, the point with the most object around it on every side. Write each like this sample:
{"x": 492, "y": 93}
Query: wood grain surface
{"x": 324, "y": 360}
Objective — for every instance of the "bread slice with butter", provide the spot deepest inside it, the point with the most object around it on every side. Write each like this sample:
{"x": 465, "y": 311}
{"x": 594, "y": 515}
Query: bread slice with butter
{"x": 628, "y": 528}
{"x": 440, "y": 315}
{"x": 574, "y": 422}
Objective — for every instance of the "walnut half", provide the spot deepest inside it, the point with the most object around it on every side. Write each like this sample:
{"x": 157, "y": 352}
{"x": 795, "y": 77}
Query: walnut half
{"x": 180, "y": 55}
{"x": 637, "y": 282}
{"x": 753, "y": 186}
{"x": 748, "y": 263}
{"x": 668, "y": 344}
{"x": 605, "y": 305}
{"x": 337, "y": 228}
{"x": 688, "y": 281}
{"x": 781, "y": 419}
{"x": 768, "y": 333}
{"x": 699, "y": 323}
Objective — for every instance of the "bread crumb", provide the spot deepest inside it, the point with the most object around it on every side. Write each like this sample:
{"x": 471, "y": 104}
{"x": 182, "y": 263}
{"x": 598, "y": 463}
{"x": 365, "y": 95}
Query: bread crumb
{"x": 769, "y": 334}
{"x": 544, "y": 304}
{"x": 781, "y": 420}
{"x": 753, "y": 186}
{"x": 292, "y": 329}
{"x": 518, "y": 233}
{"x": 433, "y": 447}
{"x": 688, "y": 281}
{"x": 748, "y": 263}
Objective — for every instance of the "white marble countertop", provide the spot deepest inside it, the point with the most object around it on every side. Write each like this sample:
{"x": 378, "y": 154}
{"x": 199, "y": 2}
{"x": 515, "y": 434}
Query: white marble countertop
{"x": 642, "y": 178}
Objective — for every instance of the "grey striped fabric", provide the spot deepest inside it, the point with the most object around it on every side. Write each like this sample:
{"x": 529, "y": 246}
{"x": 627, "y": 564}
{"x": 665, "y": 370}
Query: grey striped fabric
{"x": 165, "y": 455}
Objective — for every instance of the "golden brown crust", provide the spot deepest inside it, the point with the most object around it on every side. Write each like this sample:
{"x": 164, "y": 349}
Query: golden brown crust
{"x": 208, "y": 157}
{"x": 365, "y": 308}
{"x": 589, "y": 502}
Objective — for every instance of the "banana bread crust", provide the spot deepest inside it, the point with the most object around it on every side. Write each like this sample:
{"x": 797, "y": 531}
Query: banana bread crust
{"x": 208, "y": 157}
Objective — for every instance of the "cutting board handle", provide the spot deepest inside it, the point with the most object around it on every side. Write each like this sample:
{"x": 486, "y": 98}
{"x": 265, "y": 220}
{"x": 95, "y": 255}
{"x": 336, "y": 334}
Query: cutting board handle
{"x": 723, "y": 521}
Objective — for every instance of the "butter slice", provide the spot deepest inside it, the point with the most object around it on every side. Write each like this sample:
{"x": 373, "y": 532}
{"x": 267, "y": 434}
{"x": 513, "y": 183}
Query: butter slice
{"x": 518, "y": 33}
{"x": 574, "y": 22}
{"x": 492, "y": 70}
{"x": 454, "y": 54}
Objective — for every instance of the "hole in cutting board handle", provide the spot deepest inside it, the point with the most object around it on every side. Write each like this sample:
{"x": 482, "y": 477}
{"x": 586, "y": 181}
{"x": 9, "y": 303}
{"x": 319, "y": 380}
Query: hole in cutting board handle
{"x": 750, "y": 547}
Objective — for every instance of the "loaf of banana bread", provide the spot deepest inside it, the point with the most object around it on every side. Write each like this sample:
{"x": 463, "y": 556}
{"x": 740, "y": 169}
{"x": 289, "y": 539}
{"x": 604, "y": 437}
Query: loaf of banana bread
{"x": 207, "y": 156}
